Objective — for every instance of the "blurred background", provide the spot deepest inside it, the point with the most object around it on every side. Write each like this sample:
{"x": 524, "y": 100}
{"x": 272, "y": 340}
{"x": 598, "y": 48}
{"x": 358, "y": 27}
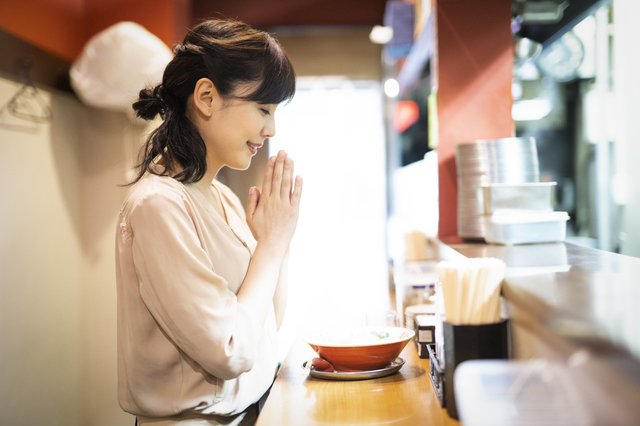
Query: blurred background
{"x": 357, "y": 128}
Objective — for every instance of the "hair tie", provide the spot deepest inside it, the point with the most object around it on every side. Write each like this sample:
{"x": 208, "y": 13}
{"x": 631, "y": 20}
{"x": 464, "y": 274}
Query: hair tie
{"x": 184, "y": 49}
{"x": 179, "y": 49}
{"x": 157, "y": 93}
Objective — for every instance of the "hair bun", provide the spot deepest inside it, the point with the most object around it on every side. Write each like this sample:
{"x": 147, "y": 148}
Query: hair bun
{"x": 150, "y": 103}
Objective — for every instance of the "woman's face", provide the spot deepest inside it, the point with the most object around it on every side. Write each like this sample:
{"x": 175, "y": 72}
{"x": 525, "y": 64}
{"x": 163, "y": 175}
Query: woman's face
{"x": 236, "y": 130}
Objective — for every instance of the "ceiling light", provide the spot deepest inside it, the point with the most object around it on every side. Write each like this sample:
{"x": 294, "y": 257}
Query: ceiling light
{"x": 391, "y": 88}
{"x": 380, "y": 34}
{"x": 530, "y": 109}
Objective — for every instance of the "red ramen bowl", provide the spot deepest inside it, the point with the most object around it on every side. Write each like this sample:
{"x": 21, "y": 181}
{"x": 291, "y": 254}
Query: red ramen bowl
{"x": 361, "y": 348}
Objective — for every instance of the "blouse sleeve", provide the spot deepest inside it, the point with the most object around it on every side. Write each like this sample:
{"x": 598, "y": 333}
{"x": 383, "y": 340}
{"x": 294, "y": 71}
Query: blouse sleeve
{"x": 191, "y": 304}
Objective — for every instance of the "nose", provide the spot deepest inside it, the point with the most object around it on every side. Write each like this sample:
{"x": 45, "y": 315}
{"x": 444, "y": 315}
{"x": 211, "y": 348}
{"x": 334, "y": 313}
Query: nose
{"x": 269, "y": 129}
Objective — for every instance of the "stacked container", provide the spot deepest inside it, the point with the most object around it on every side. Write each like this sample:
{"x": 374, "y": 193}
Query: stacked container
{"x": 500, "y": 196}
{"x": 483, "y": 162}
{"x": 521, "y": 214}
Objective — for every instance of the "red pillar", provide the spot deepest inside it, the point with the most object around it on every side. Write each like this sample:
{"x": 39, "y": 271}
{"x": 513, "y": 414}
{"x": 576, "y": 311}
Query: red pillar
{"x": 472, "y": 74}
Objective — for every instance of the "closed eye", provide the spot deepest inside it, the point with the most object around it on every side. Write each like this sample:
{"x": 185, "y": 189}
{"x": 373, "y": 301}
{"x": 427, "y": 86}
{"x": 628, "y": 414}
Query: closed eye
{"x": 265, "y": 111}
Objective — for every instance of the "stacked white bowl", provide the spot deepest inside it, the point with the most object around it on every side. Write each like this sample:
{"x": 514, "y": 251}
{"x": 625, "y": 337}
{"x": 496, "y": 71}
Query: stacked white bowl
{"x": 507, "y": 160}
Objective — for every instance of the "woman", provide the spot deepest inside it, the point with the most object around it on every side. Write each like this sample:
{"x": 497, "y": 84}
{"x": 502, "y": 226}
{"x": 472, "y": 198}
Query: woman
{"x": 201, "y": 285}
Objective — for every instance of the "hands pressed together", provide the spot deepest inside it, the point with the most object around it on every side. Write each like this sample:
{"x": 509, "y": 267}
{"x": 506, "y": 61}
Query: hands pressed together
{"x": 272, "y": 215}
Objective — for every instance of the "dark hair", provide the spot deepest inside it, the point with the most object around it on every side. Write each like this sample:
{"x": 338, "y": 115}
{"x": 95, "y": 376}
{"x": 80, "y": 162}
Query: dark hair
{"x": 227, "y": 52}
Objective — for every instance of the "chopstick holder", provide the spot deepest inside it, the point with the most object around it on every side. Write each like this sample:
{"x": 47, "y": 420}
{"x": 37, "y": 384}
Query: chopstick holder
{"x": 472, "y": 328}
{"x": 467, "y": 342}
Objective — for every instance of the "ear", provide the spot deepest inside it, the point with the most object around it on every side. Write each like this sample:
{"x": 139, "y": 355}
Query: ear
{"x": 205, "y": 97}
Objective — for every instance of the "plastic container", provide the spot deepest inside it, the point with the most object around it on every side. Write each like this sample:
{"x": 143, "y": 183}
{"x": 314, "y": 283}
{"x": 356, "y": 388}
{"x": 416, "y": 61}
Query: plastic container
{"x": 519, "y": 393}
{"x": 417, "y": 295}
{"x": 533, "y": 197}
{"x": 525, "y": 228}
{"x": 420, "y": 272}
{"x": 411, "y": 312}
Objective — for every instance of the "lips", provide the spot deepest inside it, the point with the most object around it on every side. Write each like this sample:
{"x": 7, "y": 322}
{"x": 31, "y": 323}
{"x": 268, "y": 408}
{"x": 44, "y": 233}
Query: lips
{"x": 253, "y": 147}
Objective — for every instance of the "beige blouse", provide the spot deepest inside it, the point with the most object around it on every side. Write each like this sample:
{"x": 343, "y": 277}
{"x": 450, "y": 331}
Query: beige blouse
{"x": 185, "y": 344}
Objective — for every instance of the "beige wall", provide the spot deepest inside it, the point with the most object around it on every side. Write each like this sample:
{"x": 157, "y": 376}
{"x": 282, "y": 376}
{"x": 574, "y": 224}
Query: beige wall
{"x": 59, "y": 203}
{"x": 339, "y": 51}
{"x": 41, "y": 350}
{"x": 107, "y": 144}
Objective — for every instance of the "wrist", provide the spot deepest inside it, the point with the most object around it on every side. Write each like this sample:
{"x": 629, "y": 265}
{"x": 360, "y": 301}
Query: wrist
{"x": 273, "y": 249}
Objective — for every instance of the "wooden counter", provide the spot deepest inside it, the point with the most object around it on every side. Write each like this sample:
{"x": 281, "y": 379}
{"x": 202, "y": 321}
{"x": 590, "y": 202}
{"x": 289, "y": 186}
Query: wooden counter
{"x": 582, "y": 294}
{"x": 578, "y": 307}
{"x": 575, "y": 306}
{"x": 404, "y": 398}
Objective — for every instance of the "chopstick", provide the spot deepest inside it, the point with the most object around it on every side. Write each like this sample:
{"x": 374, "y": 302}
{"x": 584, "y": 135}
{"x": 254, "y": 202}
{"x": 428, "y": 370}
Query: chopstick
{"x": 471, "y": 290}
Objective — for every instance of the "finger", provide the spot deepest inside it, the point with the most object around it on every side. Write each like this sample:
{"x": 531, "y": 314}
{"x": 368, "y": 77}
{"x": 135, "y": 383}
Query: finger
{"x": 296, "y": 195}
{"x": 268, "y": 176}
{"x": 278, "y": 171}
{"x": 252, "y": 201}
{"x": 287, "y": 179}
